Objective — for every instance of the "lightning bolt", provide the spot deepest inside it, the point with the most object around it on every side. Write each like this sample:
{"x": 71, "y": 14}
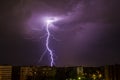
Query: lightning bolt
{"x": 48, "y": 23}
{"x": 47, "y": 45}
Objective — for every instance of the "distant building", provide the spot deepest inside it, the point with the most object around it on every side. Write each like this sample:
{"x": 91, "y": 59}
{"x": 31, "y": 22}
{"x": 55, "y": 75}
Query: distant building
{"x": 37, "y": 73}
{"x": 112, "y": 72}
{"x": 94, "y": 73}
{"x": 67, "y": 73}
{"x": 44, "y": 73}
{"x": 5, "y": 72}
{"x": 25, "y": 71}
{"x": 80, "y": 71}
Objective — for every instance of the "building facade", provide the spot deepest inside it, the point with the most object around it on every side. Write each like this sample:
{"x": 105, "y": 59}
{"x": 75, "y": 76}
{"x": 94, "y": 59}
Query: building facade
{"x": 5, "y": 72}
{"x": 112, "y": 72}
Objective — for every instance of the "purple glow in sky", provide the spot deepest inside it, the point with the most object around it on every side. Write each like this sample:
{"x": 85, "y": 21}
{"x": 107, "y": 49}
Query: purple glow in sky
{"x": 89, "y": 32}
{"x": 51, "y": 20}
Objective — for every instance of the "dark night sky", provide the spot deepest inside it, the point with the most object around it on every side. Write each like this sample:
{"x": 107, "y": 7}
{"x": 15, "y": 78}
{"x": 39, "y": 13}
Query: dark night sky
{"x": 89, "y": 33}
